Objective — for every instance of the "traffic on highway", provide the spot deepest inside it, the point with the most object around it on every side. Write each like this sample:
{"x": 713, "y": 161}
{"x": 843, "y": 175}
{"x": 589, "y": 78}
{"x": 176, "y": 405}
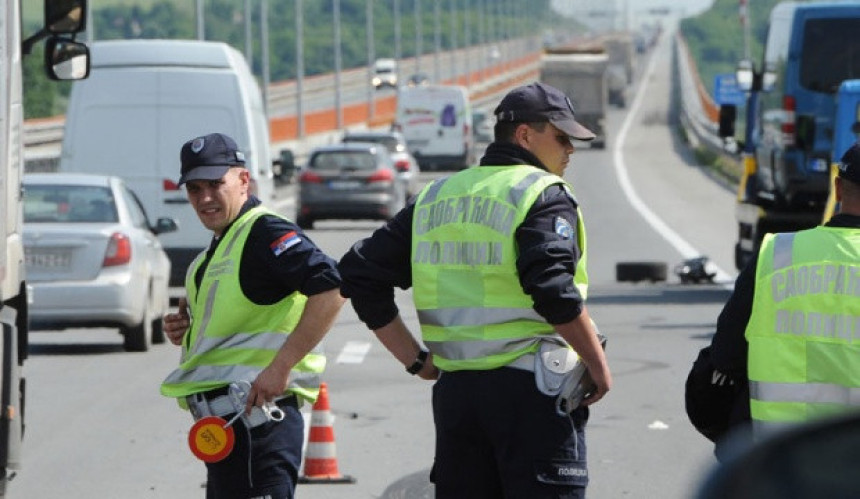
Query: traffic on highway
{"x": 381, "y": 416}
{"x": 664, "y": 252}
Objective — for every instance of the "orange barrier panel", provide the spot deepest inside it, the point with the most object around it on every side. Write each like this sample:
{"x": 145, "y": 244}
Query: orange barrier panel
{"x": 711, "y": 109}
{"x": 286, "y": 127}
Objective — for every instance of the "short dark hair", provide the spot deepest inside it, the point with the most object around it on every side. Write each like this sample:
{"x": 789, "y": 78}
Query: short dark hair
{"x": 504, "y": 130}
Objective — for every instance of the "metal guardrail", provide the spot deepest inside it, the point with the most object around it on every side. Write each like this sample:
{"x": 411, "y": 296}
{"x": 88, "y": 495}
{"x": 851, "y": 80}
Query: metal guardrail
{"x": 43, "y": 137}
{"x": 697, "y": 108}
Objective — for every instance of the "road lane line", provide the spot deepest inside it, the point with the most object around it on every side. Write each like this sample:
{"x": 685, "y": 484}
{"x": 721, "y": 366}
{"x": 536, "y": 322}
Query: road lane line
{"x": 353, "y": 352}
{"x": 673, "y": 238}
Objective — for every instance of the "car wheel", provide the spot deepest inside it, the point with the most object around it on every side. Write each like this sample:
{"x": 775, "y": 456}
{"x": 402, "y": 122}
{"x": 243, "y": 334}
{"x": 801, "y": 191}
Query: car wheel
{"x": 158, "y": 336}
{"x": 137, "y": 338}
{"x": 640, "y": 271}
{"x": 305, "y": 223}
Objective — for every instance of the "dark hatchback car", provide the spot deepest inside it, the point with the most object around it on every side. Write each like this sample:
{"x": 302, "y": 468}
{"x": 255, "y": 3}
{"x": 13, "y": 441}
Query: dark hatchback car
{"x": 349, "y": 181}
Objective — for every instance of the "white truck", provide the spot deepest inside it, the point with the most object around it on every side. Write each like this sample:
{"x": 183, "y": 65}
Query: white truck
{"x": 621, "y": 51}
{"x": 581, "y": 75}
{"x": 65, "y": 60}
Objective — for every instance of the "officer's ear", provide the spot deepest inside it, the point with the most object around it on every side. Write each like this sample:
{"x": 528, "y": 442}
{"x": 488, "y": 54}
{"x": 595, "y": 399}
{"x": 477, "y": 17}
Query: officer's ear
{"x": 244, "y": 176}
{"x": 522, "y": 135}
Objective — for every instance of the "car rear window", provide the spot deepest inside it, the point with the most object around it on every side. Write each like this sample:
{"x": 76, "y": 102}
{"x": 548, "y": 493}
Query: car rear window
{"x": 830, "y": 53}
{"x": 390, "y": 143}
{"x": 343, "y": 160}
{"x": 68, "y": 203}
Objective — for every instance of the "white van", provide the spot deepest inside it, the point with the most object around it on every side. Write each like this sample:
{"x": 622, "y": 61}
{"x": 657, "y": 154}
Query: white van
{"x": 142, "y": 101}
{"x": 384, "y": 73}
{"x": 437, "y": 123}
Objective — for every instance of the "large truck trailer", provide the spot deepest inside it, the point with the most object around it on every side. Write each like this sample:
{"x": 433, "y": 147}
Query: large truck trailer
{"x": 65, "y": 60}
{"x": 581, "y": 74}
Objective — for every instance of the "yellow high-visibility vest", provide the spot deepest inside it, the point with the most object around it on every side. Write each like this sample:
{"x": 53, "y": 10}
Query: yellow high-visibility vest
{"x": 473, "y": 312}
{"x": 804, "y": 330}
{"x": 232, "y": 338}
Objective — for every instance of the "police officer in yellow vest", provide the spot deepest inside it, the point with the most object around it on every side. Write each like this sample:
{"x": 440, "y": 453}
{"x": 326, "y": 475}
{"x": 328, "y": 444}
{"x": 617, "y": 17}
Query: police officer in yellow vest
{"x": 496, "y": 259}
{"x": 792, "y": 322}
{"x": 258, "y": 301}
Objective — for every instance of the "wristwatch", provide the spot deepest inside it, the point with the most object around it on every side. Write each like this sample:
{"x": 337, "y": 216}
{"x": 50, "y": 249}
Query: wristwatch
{"x": 419, "y": 362}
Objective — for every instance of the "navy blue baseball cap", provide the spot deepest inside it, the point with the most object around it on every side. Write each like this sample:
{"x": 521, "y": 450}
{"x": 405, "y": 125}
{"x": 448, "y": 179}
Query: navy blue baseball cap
{"x": 539, "y": 102}
{"x": 209, "y": 157}
{"x": 849, "y": 165}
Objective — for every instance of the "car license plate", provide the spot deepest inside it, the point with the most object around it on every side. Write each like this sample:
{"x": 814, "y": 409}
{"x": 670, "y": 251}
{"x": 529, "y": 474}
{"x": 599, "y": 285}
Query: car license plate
{"x": 342, "y": 185}
{"x": 48, "y": 259}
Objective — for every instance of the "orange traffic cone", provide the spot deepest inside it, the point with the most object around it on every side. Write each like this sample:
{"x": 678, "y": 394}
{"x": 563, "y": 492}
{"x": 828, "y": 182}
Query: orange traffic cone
{"x": 320, "y": 460}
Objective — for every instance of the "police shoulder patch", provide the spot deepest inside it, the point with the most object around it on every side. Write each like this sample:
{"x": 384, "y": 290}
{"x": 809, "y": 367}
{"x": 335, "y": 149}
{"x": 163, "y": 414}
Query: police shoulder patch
{"x": 285, "y": 242}
{"x": 563, "y": 228}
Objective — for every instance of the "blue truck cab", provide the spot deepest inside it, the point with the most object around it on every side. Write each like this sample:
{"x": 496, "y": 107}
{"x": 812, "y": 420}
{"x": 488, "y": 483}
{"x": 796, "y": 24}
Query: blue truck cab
{"x": 811, "y": 48}
{"x": 847, "y": 132}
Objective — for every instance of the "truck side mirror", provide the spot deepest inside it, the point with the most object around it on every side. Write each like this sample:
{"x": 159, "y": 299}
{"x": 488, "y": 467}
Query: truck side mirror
{"x": 768, "y": 78}
{"x": 287, "y": 165}
{"x": 805, "y": 132}
{"x": 744, "y": 75}
{"x": 65, "y": 17}
{"x": 66, "y": 59}
{"x": 728, "y": 114}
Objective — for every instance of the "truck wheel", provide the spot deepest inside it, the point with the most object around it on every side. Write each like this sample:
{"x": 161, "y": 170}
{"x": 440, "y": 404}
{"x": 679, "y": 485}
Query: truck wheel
{"x": 640, "y": 271}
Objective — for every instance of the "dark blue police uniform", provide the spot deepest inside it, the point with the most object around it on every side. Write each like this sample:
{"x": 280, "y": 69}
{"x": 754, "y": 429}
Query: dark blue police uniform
{"x": 728, "y": 349}
{"x": 507, "y": 424}
{"x": 267, "y": 458}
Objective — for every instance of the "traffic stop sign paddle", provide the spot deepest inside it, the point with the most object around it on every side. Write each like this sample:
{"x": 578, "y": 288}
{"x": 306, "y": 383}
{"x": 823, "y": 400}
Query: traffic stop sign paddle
{"x": 210, "y": 439}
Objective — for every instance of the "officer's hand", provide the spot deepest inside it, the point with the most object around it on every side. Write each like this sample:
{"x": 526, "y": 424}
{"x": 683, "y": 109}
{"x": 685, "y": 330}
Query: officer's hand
{"x": 428, "y": 370}
{"x": 176, "y": 324}
{"x": 270, "y": 383}
{"x": 603, "y": 381}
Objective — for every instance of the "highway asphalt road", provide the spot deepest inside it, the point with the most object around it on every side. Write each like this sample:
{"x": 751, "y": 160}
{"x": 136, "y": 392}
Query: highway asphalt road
{"x": 97, "y": 426}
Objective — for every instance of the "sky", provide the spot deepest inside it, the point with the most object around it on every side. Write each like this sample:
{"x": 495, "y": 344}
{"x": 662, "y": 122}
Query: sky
{"x": 636, "y": 9}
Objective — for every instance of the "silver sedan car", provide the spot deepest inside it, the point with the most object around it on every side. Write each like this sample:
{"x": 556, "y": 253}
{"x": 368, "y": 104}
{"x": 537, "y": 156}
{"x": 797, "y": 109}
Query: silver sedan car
{"x": 93, "y": 259}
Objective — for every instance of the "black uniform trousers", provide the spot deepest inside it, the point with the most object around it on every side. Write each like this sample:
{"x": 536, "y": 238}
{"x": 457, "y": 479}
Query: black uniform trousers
{"x": 265, "y": 460}
{"x": 497, "y": 436}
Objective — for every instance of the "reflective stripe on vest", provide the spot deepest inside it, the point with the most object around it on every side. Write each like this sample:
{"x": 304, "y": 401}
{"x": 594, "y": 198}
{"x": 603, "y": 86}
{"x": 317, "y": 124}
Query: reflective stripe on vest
{"x": 221, "y": 347}
{"x": 804, "y": 330}
{"x": 471, "y": 306}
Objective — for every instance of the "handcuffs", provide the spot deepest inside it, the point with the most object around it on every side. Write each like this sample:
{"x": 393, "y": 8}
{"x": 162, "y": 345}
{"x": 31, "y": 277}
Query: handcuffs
{"x": 238, "y": 393}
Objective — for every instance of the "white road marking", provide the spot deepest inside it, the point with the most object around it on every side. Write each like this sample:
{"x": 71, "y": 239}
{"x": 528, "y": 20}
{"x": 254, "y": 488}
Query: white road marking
{"x": 353, "y": 352}
{"x": 673, "y": 238}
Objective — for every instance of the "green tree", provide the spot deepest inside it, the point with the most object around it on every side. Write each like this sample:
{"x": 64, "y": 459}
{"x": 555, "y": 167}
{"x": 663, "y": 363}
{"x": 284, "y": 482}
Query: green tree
{"x": 225, "y": 22}
{"x": 39, "y": 91}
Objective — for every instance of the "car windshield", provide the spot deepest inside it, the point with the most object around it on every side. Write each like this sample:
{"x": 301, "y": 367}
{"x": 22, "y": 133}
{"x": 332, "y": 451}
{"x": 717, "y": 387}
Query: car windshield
{"x": 390, "y": 143}
{"x": 339, "y": 160}
{"x": 68, "y": 203}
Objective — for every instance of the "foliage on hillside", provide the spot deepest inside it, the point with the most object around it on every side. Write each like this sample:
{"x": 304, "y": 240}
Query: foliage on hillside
{"x": 224, "y": 21}
{"x": 716, "y": 37}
